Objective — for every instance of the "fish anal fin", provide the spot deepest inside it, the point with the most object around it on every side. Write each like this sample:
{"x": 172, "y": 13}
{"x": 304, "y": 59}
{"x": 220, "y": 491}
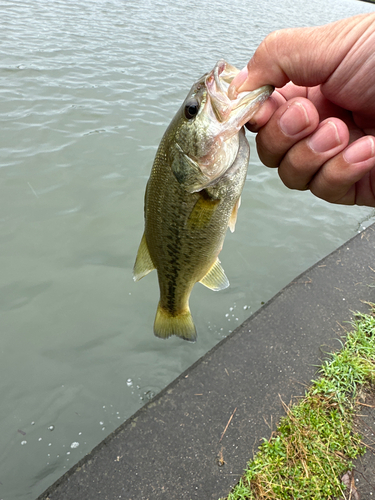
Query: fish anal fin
{"x": 143, "y": 263}
{"x": 202, "y": 212}
{"x": 181, "y": 324}
{"x": 233, "y": 217}
{"x": 215, "y": 279}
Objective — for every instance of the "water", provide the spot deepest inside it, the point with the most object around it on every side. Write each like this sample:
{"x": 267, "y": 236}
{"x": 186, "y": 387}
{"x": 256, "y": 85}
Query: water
{"x": 87, "y": 89}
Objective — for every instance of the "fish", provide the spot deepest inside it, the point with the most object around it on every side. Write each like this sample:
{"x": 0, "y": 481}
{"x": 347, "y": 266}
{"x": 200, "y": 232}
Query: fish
{"x": 193, "y": 195}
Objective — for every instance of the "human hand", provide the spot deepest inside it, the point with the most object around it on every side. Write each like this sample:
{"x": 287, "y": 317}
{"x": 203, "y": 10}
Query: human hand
{"x": 318, "y": 127}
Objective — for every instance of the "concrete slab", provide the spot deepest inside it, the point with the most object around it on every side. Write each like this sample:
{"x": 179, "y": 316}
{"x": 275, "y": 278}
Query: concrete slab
{"x": 180, "y": 446}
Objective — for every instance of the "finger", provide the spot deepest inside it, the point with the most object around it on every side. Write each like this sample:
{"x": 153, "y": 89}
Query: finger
{"x": 305, "y": 56}
{"x": 292, "y": 121}
{"x": 304, "y": 159}
{"x": 346, "y": 177}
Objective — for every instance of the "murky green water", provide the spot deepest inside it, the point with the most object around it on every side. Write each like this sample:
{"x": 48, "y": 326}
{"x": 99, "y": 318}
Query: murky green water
{"x": 87, "y": 90}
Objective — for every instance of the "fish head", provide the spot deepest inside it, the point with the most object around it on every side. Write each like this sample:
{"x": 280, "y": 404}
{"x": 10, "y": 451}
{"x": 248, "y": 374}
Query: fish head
{"x": 204, "y": 132}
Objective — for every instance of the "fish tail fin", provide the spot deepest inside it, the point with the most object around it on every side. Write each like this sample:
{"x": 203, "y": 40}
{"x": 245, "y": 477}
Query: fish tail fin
{"x": 181, "y": 324}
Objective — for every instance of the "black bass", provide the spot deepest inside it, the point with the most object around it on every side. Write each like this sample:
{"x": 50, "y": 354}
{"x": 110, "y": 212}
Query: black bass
{"x": 193, "y": 195}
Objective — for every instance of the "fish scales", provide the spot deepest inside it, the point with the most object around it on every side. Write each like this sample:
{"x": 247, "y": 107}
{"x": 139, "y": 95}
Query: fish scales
{"x": 181, "y": 249}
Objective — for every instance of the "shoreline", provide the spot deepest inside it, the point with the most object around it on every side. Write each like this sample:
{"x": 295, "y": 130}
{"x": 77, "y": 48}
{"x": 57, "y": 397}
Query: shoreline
{"x": 171, "y": 447}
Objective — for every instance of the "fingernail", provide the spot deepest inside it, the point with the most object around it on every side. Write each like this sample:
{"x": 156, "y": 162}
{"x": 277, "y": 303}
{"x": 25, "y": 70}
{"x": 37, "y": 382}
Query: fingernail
{"x": 325, "y": 138}
{"x": 361, "y": 150}
{"x": 294, "y": 119}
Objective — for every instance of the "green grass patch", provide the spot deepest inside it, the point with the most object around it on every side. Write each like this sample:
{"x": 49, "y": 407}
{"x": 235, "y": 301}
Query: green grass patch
{"x": 315, "y": 443}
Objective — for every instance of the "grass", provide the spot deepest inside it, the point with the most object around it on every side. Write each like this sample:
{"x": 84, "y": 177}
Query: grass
{"x": 315, "y": 443}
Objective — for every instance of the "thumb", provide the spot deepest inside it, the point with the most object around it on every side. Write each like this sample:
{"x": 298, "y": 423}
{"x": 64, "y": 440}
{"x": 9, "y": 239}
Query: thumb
{"x": 305, "y": 56}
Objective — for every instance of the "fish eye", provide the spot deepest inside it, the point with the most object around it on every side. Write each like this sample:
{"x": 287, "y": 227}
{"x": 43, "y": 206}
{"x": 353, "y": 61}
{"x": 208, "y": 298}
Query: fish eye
{"x": 191, "y": 109}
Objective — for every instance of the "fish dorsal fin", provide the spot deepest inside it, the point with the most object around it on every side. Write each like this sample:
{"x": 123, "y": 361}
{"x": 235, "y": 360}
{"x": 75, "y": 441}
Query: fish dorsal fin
{"x": 233, "y": 217}
{"x": 143, "y": 263}
{"x": 215, "y": 279}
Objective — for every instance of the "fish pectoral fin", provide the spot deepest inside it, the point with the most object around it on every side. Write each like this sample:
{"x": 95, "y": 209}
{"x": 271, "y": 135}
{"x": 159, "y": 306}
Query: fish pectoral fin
{"x": 233, "y": 217}
{"x": 215, "y": 279}
{"x": 143, "y": 263}
{"x": 202, "y": 212}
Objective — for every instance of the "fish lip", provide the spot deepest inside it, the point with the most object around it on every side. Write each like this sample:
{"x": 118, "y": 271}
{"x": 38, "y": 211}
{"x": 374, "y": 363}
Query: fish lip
{"x": 238, "y": 110}
{"x": 244, "y": 98}
{"x": 247, "y": 103}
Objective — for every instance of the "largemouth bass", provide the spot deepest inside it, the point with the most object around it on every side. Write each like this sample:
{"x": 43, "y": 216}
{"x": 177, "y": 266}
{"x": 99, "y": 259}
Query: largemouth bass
{"x": 193, "y": 195}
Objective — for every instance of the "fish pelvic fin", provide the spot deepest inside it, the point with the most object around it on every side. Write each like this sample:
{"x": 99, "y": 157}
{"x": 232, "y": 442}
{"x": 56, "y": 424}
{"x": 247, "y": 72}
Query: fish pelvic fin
{"x": 215, "y": 279}
{"x": 143, "y": 263}
{"x": 181, "y": 324}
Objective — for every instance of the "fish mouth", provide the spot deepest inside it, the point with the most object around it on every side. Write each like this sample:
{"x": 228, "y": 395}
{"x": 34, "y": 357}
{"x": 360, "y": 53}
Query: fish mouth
{"x": 234, "y": 112}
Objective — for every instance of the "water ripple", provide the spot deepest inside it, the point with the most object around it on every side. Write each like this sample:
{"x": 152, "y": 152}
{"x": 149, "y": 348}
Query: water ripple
{"x": 86, "y": 92}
